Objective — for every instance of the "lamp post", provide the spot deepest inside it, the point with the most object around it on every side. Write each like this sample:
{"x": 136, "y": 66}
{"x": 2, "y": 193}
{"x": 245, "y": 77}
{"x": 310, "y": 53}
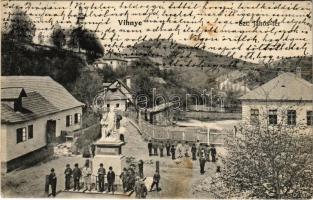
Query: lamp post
{"x": 187, "y": 101}
{"x": 204, "y": 94}
{"x": 212, "y": 99}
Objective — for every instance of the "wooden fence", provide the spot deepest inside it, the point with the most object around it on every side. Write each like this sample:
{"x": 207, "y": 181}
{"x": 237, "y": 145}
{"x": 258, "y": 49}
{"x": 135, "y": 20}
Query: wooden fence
{"x": 190, "y": 134}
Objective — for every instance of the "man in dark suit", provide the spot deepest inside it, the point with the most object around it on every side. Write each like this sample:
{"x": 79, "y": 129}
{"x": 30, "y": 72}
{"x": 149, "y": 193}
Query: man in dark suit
{"x": 101, "y": 174}
{"x": 156, "y": 180}
{"x": 53, "y": 182}
{"x": 111, "y": 180}
{"x": 68, "y": 176}
{"x": 150, "y": 147}
{"x": 77, "y": 173}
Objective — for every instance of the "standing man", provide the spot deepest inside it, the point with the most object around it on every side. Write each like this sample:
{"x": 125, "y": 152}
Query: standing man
{"x": 194, "y": 151}
{"x": 186, "y": 149}
{"x": 53, "y": 182}
{"x": 124, "y": 178}
{"x": 101, "y": 174}
{"x": 93, "y": 149}
{"x": 208, "y": 150}
{"x": 198, "y": 146}
{"x": 202, "y": 161}
{"x": 213, "y": 153}
{"x": 137, "y": 188}
{"x": 173, "y": 151}
{"x": 150, "y": 147}
{"x": 155, "y": 147}
{"x": 156, "y": 180}
{"x": 161, "y": 147}
{"x": 140, "y": 167}
{"x": 68, "y": 174}
{"x": 168, "y": 147}
{"x": 77, "y": 173}
{"x": 179, "y": 150}
{"x": 111, "y": 180}
{"x": 86, "y": 172}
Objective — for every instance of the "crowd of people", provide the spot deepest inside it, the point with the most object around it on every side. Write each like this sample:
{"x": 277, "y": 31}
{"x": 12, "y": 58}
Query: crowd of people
{"x": 81, "y": 178}
{"x": 204, "y": 152}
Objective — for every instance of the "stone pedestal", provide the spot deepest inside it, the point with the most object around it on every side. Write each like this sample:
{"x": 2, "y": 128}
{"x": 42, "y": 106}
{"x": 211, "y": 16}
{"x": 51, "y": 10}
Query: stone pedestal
{"x": 110, "y": 154}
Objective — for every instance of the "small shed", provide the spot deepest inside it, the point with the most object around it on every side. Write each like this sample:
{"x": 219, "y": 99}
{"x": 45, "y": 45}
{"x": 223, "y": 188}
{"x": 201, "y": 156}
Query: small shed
{"x": 160, "y": 114}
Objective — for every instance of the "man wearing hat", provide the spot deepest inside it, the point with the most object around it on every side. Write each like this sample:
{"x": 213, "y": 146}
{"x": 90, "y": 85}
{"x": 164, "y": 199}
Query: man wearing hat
{"x": 53, "y": 182}
{"x": 77, "y": 173}
{"x": 111, "y": 180}
{"x": 101, "y": 174}
{"x": 68, "y": 174}
{"x": 156, "y": 180}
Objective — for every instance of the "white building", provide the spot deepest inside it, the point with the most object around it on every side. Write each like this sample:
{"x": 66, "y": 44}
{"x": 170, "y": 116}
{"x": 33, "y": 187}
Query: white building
{"x": 34, "y": 112}
{"x": 110, "y": 61}
{"x": 118, "y": 95}
{"x": 233, "y": 81}
{"x": 285, "y": 99}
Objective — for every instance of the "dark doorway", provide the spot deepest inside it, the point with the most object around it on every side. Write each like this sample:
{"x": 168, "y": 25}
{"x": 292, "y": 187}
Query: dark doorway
{"x": 51, "y": 131}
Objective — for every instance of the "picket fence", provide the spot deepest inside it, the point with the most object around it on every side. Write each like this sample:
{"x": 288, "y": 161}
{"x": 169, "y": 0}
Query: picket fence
{"x": 182, "y": 134}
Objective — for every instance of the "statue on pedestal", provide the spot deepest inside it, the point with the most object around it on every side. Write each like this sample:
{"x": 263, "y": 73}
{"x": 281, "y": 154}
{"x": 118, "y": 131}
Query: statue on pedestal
{"x": 108, "y": 127}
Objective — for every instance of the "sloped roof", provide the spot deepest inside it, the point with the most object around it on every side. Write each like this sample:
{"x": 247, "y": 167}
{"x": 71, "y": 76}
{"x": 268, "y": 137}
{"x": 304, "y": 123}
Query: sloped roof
{"x": 111, "y": 95}
{"x": 107, "y": 57}
{"x": 12, "y": 93}
{"x": 51, "y": 90}
{"x": 160, "y": 107}
{"x": 34, "y": 106}
{"x": 286, "y": 86}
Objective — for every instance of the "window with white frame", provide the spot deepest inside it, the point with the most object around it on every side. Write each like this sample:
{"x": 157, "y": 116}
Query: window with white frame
{"x": 309, "y": 118}
{"x": 20, "y": 135}
{"x": 69, "y": 120}
{"x": 272, "y": 117}
{"x": 254, "y": 116}
{"x": 291, "y": 117}
{"x": 77, "y": 118}
{"x": 30, "y": 131}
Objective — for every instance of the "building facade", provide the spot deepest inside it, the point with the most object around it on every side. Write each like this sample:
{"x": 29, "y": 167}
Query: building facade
{"x": 286, "y": 99}
{"x": 35, "y": 111}
{"x": 118, "y": 95}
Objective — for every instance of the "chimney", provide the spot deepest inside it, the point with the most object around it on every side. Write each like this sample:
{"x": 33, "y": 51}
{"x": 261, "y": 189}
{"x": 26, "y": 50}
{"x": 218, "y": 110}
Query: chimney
{"x": 298, "y": 72}
{"x": 128, "y": 81}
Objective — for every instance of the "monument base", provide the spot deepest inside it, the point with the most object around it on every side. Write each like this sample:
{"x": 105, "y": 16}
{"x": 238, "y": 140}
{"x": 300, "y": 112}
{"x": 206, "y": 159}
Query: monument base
{"x": 110, "y": 155}
{"x": 117, "y": 162}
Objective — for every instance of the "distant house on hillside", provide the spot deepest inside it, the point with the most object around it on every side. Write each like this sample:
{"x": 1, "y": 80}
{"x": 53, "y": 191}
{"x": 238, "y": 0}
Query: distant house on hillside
{"x": 287, "y": 98}
{"x": 110, "y": 61}
{"x": 233, "y": 81}
{"x": 34, "y": 112}
{"x": 118, "y": 95}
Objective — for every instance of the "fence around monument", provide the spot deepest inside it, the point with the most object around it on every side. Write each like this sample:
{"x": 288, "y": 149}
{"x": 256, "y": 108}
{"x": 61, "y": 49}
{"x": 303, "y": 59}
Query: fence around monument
{"x": 190, "y": 134}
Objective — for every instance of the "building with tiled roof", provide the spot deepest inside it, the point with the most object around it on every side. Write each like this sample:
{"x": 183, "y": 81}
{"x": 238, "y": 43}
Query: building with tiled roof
{"x": 35, "y": 110}
{"x": 285, "y": 99}
{"x": 118, "y": 95}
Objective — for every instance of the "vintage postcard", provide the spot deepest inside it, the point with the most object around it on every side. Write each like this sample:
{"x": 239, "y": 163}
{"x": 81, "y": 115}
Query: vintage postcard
{"x": 156, "y": 99}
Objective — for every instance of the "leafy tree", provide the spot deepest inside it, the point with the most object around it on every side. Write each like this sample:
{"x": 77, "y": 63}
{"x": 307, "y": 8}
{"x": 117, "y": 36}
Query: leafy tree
{"x": 267, "y": 162}
{"x": 107, "y": 73}
{"x": 86, "y": 87}
{"x": 58, "y": 38}
{"x": 232, "y": 100}
{"x": 87, "y": 40}
{"x": 21, "y": 27}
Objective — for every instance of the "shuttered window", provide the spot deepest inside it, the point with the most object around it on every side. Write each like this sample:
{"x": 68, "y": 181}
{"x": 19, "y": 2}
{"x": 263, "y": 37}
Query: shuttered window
{"x": 30, "y": 132}
{"x": 77, "y": 118}
{"x": 272, "y": 117}
{"x": 20, "y": 135}
{"x": 309, "y": 118}
{"x": 291, "y": 117}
